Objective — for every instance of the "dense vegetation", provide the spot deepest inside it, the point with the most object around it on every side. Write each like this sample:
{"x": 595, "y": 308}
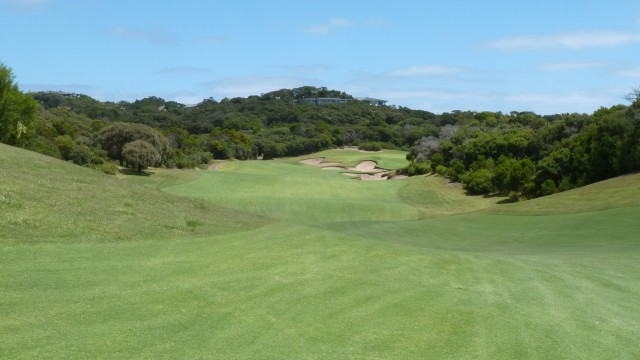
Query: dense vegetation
{"x": 526, "y": 155}
{"x": 520, "y": 153}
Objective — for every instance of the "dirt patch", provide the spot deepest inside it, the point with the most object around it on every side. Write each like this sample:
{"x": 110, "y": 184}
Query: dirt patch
{"x": 213, "y": 167}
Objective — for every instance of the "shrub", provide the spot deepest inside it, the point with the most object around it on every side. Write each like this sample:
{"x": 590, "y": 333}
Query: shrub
{"x": 548, "y": 187}
{"x": 478, "y": 182}
{"x": 140, "y": 154}
{"x": 107, "y": 167}
{"x": 370, "y": 146}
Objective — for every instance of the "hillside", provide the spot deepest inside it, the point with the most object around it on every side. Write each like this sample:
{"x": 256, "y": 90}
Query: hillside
{"x": 619, "y": 192}
{"x": 43, "y": 199}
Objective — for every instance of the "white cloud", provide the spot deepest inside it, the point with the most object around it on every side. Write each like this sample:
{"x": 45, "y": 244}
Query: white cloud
{"x": 29, "y": 2}
{"x": 575, "y": 65}
{"x": 548, "y": 103}
{"x": 255, "y": 85}
{"x": 572, "y": 41}
{"x": 26, "y": 5}
{"x": 329, "y": 27}
{"x": 425, "y": 70}
{"x": 634, "y": 72}
{"x": 378, "y": 22}
{"x": 156, "y": 37}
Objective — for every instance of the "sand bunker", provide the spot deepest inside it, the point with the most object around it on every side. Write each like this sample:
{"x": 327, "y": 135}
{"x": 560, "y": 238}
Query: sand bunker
{"x": 367, "y": 166}
{"x": 367, "y": 170}
{"x": 319, "y": 162}
{"x": 313, "y": 162}
{"x": 398, "y": 177}
{"x": 368, "y": 177}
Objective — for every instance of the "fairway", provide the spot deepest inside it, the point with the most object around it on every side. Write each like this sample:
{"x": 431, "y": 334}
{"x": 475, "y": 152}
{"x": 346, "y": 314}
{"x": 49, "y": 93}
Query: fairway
{"x": 276, "y": 259}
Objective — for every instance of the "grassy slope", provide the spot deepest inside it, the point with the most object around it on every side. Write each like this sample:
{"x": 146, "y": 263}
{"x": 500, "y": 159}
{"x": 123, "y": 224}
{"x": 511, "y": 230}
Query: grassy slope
{"x": 46, "y": 200}
{"x": 384, "y": 284}
{"x": 622, "y": 191}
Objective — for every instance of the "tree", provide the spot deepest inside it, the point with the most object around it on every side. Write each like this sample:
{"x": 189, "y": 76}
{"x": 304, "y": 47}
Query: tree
{"x": 140, "y": 154}
{"x": 17, "y": 110}
{"x": 115, "y": 136}
{"x": 478, "y": 182}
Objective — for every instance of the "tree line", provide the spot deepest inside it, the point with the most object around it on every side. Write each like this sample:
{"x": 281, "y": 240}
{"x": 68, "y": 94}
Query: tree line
{"x": 524, "y": 155}
{"x": 520, "y": 154}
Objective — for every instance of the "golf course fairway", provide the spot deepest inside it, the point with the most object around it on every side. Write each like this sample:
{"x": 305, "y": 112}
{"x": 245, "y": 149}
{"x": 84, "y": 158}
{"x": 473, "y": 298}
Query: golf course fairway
{"x": 277, "y": 259}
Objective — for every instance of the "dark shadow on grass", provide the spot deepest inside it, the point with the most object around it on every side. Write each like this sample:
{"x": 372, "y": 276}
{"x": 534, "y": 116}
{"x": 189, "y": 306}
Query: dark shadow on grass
{"x": 134, "y": 172}
{"x": 507, "y": 201}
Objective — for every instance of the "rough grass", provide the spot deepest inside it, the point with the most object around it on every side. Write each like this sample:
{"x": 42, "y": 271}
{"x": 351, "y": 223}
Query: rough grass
{"x": 397, "y": 278}
{"x": 46, "y": 200}
{"x": 435, "y": 196}
{"x": 623, "y": 191}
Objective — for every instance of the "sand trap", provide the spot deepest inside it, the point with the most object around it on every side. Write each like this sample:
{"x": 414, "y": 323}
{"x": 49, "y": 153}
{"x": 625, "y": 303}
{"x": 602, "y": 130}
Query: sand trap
{"x": 368, "y": 169}
{"x": 368, "y": 177}
{"x": 398, "y": 177}
{"x": 367, "y": 166}
{"x": 376, "y": 176}
{"x": 313, "y": 162}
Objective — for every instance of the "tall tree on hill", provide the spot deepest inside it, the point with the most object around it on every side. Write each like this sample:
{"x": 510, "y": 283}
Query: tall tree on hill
{"x": 17, "y": 110}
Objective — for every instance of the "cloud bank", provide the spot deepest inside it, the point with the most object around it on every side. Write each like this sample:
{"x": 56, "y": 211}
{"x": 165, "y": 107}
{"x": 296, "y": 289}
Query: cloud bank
{"x": 570, "y": 41}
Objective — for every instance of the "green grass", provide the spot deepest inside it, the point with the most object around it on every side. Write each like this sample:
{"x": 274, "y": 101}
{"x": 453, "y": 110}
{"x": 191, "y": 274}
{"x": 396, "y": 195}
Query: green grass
{"x": 623, "y": 191}
{"x": 298, "y": 193}
{"x": 341, "y": 269}
{"x": 387, "y": 159}
{"x": 45, "y": 200}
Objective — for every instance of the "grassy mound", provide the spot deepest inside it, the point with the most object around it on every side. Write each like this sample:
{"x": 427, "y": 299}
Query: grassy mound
{"x": 47, "y": 200}
{"x": 619, "y": 192}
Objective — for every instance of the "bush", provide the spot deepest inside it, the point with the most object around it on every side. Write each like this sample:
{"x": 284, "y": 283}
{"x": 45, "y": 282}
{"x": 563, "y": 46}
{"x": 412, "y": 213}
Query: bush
{"x": 548, "y": 187}
{"x": 478, "y": 182}
{"x": 370, "y": 146}
{"x": 417, "y": 168}
{"x": 442, "y": 170}
{"x": 140, "y": 154}
{"x": 107, "y": 167}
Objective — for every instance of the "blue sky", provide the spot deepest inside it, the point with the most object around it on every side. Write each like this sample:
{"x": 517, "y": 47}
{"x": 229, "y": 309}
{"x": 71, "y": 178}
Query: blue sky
{"x": 542, "y": 56}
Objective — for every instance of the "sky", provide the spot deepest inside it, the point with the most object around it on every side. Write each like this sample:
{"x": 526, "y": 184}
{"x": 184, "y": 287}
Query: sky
{"x": 544, "y": 56}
